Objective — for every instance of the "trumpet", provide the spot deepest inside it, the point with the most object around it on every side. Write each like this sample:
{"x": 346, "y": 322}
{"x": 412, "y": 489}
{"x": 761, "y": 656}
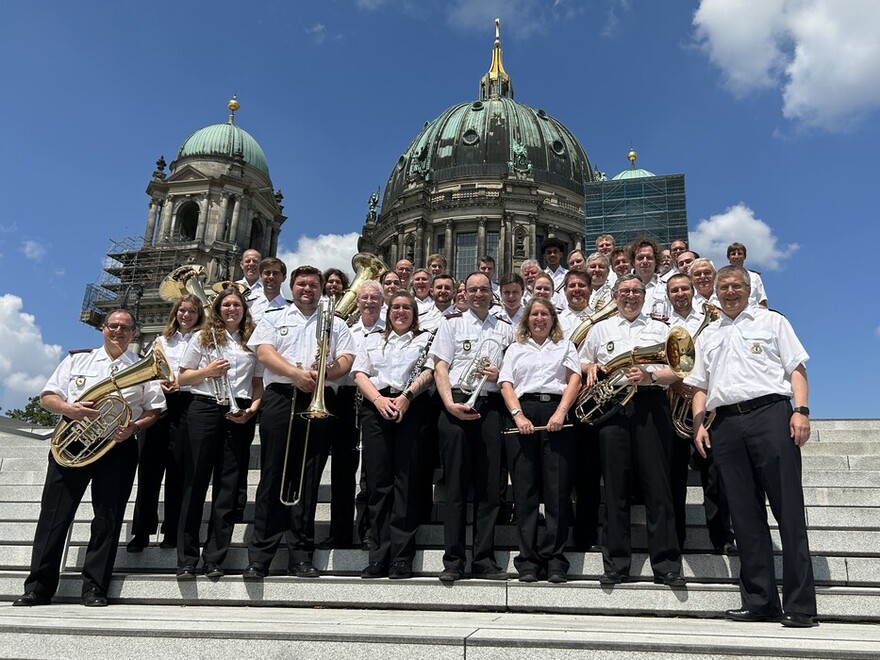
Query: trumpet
{"x": 680, "y": 404}
{"x": 291, "y": 492}
{"x": 474, "y": 378}
{"x": 598, "y": 402}
{"x": 220, "y": 386}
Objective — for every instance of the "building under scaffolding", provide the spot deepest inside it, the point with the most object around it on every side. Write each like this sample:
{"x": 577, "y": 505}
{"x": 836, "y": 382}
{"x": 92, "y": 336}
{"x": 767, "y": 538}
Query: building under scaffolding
{"x": 636, "y": 203}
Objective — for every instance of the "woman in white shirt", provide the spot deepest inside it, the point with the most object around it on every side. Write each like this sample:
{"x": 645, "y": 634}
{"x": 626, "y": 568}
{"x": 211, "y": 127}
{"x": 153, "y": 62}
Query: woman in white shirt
{"x": 392, "y": 372}
{"x": 161, "y": 449}
{"x": 224, "y": 375}
{"x": 540, "y": 377}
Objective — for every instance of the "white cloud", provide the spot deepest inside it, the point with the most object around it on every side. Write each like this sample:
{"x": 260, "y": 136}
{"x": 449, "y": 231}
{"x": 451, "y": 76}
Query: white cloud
{"x": 370, "y": 4}
{"x": 738, "y": 223}
{"x": 823, "y": 55}
{"x": 318, "y": 32}
{"x": 25, "y": 361}
{"x": 325, "y": 251}
{"x": 33, "y": 250}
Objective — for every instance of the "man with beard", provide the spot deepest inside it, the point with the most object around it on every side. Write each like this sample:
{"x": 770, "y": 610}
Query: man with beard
{"x": 576, "y": 288}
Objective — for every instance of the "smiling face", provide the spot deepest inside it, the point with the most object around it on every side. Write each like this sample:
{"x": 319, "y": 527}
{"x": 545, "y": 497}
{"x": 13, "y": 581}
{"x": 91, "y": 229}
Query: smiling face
{"x": 231, "y": 311}
{"x": 598, "y": 270}
{"x": 250, "y": 265}
{"x": 621, "y": 264}
{"x": 540, "y": 322}
{"x": 577, "y": 292}
{"x": 272, "y": 277}
{"x": 390, "y": 284}
{"x": 630, "y": 297}
{"x": 421, "y": 284}
{"x": 605, "y": 245}
{"x": 334, "y": 286}
{"x": 552, "y": 255}
{"x": 685, "y": 259}
{"x": 576, "y": 261}
{"x": 442, "y": 291}
{"x": 544, "y": 287}
{"x": 369, "y": 304}
{"x": 404, "y": 269}
{"x": 529, "y": 273}
{"x": 511, "y": 296}
{"x": 118, "y": 331}
{"x": 733, "y": 292}
{"x": 681, "y": 294}
{"x": 704, "y": 280}
{"x": 306, "y": 290}
{"x": 479, "y": 294}
{"x": 400, "y": 314}
{"x": 187, "y": 317}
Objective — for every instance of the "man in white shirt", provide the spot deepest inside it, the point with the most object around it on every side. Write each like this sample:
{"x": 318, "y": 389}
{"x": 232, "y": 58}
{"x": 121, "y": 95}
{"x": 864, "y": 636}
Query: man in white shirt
{"x": 736, "y": 256}
{"x": 576, "y": 288}
{"x": 599, "y": 268}
{"x": 268, "y": 296}
{"x": 552, "y": 250}
{"x": 250, "y": 268}
{"x": 645, "y": 254}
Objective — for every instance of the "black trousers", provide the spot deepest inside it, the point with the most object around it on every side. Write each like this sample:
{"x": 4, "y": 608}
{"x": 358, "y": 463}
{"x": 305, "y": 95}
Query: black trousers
{"x": 541, "y": 467}
{"x": 392, "y": 457}
{"x": 679, "y": 468}
{"x": 635, "y": 446}
{"x": 471, "y": 455}
{"x": 216, "y": 448}
{"x": 241, "y": 495}
{"x": 274, "y": 521}
{"x": 161, "y": 454}
{"x": 111, "y": 477}
{"x": 714, "y": 500}
{"x": 756, "y": 457}
{"x": 587, "y": 476}
{"x": 343, "y": 439}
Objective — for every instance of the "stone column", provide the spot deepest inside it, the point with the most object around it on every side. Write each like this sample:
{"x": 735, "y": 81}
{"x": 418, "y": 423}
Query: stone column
{"x": 232, "y": 235}
{"x": 532, "y": 250}
{"x": 203, "y": 218}
{"x": 273, "y": 245}
{"x": 219, "y": 232}
{"x": 429, "y": 241}
{"x": 450, "y": 247}
{"x": 165, "y": 222}
{"x": 419, "y": 252}
{"x": 151, "y": 223}
{"x": 481, "y": 238}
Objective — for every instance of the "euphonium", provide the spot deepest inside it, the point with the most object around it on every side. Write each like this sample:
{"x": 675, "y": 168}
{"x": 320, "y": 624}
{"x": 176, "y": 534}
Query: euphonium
{"x": 366, "y": 267}
{"x": 679, "y": 404}
{"x": 76, "y": 443}
{"x": 604, "y": 398}
{"x": 474, "y": 379}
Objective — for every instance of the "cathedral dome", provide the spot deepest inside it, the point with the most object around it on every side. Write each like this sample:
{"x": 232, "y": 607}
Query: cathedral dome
{"x": 492, "y": 137}
{"x": 226, "y": 140}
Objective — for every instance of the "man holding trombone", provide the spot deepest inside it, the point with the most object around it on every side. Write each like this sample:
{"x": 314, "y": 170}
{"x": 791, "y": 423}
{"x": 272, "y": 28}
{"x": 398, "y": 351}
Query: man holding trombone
{"x": 467, "y": 354}
{"x": 299, "y": 353}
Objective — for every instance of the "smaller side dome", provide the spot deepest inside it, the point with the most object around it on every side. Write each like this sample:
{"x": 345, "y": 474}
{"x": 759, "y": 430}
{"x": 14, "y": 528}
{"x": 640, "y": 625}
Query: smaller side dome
{"x": 633, "y": 172}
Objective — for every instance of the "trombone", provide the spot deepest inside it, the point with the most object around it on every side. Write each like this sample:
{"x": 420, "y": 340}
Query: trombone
{"x": 291, "y": 493}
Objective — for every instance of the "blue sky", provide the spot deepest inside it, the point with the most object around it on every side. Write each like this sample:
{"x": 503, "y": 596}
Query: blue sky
{"x": 768, "y": 107}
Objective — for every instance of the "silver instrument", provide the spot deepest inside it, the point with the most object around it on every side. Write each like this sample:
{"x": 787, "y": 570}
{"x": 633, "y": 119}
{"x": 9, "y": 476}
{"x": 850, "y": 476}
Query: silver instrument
{"x": 420, "y": 362}
{"x": 220, "y": 386}
{"x": 474, "y": 378}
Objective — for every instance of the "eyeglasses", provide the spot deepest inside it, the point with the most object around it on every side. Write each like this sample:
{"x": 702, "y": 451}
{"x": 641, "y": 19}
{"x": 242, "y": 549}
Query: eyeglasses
{"x": 630, "y": 292}
{"x": 119, "y": 326}
{"x": 479, "y": 289}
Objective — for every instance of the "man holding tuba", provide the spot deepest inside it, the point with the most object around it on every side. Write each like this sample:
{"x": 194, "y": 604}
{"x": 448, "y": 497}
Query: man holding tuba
{"x": 635, "y": 442}
{"x": 286, "y": 343}
{"x": 681, "y": 296}
{"x": 111, "y": 475}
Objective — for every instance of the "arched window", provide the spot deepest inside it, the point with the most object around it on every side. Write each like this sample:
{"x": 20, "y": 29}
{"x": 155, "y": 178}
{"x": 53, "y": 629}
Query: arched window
{"x": 257, "y": 235}
{"x": 188, "y": 220}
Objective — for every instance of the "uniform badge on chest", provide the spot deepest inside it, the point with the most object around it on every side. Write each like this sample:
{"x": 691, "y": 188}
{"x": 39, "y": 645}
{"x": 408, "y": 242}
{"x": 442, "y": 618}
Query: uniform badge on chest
{"x": 283, "y": 331}
{"x": 80, "y": 381}
{"x": 466, "y": 345}
{"x": 609, "y": 347}
{"x": 756, "y": 348}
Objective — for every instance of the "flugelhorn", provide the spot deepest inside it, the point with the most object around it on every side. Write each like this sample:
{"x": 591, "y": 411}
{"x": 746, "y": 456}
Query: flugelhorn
{"x": 474, "y": 378}
{"x": 680, "y": 404}
{"x": 597, "y": 402}
{"x": 220, "y": 386}
{"x": 76, "y": 443}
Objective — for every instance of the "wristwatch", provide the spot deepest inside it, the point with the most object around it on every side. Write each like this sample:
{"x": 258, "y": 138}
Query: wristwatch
{"x": 653, "y": 376}
{"x": 803, "y": 410}
{"x": 515, "y": 411}
{"x": 408, "y": 394}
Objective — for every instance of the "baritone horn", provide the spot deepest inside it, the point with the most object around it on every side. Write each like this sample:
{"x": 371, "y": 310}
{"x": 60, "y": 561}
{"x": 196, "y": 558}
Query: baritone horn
{"x": 76, "y": 443}
{"x": 366, "y": 267}
{"x": 680, "y": 404}
{"x": 474, "y": 378}
{"x": 597, "y": 402}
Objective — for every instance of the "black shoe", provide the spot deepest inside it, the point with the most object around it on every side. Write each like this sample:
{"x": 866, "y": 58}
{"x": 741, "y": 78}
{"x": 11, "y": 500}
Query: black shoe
{"x": 372, "y": 570}
{"x": 400, "y": 570}
{"x": 238, "y": 516}
{"x": 557, "y": 577}
{"x": 795, "y": 620}
{"x": 528, "y": 576}
{"x": 728, "y": 549}
{"x": 256, "y": 570}
{"x": 327, "y": 544}
{"x": 30, "y": 599}
{"x": 304, "y": 569}
{"x": 670, "y": 579}
{"x": 137, "y": 544}
{"x": 212, "y": 570}
{"x": 94, "y": 597}
{"x": 610, "y": 577}
{"x": 450, "y": 575}
{"x": 493, "y": 573}
{"x": 168, "y": 543}
{"x": 749, "y": 616}
{"x": 186, "y": 572}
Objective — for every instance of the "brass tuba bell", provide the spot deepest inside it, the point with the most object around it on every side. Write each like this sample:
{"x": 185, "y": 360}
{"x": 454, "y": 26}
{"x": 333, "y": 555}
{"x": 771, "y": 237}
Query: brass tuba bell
{"x": 366, "y": 267}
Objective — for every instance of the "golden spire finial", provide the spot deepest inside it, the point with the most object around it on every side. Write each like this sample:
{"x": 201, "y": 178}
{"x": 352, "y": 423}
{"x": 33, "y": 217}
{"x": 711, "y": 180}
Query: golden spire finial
{"x": 632, "y": 156}
{"x": 496, "y": 82}
{"x": 233, "y": 106}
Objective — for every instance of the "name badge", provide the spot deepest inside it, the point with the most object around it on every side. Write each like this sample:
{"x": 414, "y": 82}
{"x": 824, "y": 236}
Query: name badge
{"x": 609, "y": 347}
{"x": 466, "y": 345}
{"x": 80, "y": 381}
{"x": 283, "y": 331}
{"x": 756, "y": 348}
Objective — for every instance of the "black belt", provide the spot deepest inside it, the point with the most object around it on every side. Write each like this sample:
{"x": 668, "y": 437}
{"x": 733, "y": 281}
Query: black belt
{"x": 389, "y": 391}
{"x": 540, "y": 397}
{"x": 210, "y": 399}
{"x": 482, "y": 394}
{"x": 744, "y": 407}
{"x": 650, "y": 388}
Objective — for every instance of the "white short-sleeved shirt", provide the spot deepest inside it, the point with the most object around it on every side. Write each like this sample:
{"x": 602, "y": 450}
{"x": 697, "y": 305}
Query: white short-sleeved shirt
{"x": 656, "y": 301}
{"x": 80, "y": 371}
{"x": 534, "y": 368}
{"x": 243, "y": 365}
{"x": 600, "y": 297}
{"x": 434, "y": 316}
{"x": 757, "y": 295}
{"x": 743, "y": 358}
{"x": 558, "y": 275}
{"x": 513, "y": 320}
{"x": 174, "y": 349}
{"x": 359, "y": 333}
{"x": 294, "y": 336}
{"x": 570, "y": 319}
{"x": 253, "y": 289}
{"x": 691, "y": 322}
{"x": 389, "y": 362}
{"x": 258, "y": 304}
{"x": 699, "y": 300}
{"x": 615, "y": 336}
{"x": 459, "y": 338}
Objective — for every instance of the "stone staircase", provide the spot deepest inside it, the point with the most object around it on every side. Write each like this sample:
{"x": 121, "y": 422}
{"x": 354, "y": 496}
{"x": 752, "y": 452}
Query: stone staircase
{"x": 472, "y": 618}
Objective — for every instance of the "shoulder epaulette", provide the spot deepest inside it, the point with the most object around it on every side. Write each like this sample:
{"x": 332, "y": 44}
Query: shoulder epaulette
{"x": 274, "y": 309}
{"x": 457, "y": 315}
{"x": 502, "y": 319}
{"x": 773, "y": 310}
{"x": 76, "y": 351}
{"x": 756, "y": 272}
{"x": 289, "y": 302}
{"x": 375, "y": 331}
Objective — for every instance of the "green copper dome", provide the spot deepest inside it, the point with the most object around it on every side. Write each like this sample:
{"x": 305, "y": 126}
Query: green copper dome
{"x": 637, "y": 173}
{"x": 225, "y": 140}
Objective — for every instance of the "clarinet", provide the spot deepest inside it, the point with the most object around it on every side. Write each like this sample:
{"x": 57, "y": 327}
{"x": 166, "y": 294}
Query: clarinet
{"x": 420, "y": 362}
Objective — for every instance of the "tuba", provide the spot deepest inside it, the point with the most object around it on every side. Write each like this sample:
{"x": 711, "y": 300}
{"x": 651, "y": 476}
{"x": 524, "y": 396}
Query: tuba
{"x": 598, "y": 402}
{"x": 679, "y": 404}
{"x": 366, "y": 267}
{"x": 583, "y": 329}
{"x": 76, "y": 443}
{"x": 184, "y": 280}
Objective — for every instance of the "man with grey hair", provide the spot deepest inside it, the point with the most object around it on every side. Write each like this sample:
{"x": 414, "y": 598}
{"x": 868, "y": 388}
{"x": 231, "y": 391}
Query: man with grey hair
{"x": 749, "y": 367}
{"x": 530, "y": 269}
{"x": 634, "y": 442}
{"x": 599, "y": 267}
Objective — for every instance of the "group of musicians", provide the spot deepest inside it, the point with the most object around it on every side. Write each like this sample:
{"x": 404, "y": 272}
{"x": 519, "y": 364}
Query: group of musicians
{"x": 476, "y": 381}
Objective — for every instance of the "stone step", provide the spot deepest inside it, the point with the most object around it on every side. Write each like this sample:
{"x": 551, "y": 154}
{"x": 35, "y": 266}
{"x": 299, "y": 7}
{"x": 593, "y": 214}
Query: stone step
{"x": 218, "y": 631}
{"x": 428, "y": 593}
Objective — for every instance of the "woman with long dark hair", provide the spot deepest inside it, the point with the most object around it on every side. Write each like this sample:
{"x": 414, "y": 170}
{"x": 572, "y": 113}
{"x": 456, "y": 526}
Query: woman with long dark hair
{"x": 161, "y": 449}
{"x": 392, "y": 372}
{"x": 227, "y": 385}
